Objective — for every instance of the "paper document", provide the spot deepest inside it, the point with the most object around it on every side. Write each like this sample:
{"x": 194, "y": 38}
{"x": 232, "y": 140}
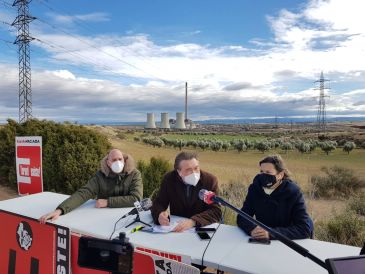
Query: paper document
{"x": 166, "y": 228}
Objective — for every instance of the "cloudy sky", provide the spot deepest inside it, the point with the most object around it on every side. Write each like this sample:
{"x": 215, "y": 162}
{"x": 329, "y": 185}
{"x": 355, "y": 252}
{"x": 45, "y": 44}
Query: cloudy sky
{"x": 113, "y": 61}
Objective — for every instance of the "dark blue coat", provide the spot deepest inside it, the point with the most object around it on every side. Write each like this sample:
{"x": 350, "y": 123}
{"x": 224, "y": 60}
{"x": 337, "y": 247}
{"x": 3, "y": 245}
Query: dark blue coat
{"x": 284, "y": 210}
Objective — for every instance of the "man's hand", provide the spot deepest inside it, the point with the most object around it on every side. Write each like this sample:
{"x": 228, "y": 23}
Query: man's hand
{"x": 100, "y": 203}
{"x": 184, "y": 225}
{"x": 259, "y": 233}
{"x": 52, "y": 215}
{"x": 163, "y": 218}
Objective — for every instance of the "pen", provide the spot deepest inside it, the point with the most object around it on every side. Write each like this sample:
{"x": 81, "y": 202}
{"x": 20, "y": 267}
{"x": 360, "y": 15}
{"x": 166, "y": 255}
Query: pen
{"x": 137, "y": 228}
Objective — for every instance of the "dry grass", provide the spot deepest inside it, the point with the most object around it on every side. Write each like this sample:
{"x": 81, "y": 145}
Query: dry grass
{"x": 243, "y": 166}
{"x": 234, "y": 166}
{"x": 7, "y": 193}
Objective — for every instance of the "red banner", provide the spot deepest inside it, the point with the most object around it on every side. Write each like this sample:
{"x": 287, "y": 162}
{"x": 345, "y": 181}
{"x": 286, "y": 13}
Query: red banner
{"x": 29, "y": 164}
{"x": 26, "y": 246}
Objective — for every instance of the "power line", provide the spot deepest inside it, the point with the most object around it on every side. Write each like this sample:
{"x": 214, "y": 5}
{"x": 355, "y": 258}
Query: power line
{"x": 87, "y": 60}
{"x": 99, "y": 49}
{"x": 83, "y": 25}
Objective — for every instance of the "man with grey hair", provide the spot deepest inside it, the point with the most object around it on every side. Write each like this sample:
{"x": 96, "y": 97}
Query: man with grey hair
{"x": 117, "y": 184}
{"x": 180, "y": 191}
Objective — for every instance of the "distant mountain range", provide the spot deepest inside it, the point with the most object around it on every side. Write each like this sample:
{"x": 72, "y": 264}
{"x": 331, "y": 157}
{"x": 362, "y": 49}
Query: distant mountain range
{"x": 279, "y": 120}
{"x": 248, "y": 121}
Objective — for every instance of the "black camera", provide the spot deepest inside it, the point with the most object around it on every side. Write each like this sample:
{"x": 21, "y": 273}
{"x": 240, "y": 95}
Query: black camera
{"x": 114, "y": 256}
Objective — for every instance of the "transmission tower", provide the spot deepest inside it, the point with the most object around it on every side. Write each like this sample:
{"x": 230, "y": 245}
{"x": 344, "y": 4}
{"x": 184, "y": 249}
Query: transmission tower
{"x": 22, "y": 40}
{"x": 321, "y": 114}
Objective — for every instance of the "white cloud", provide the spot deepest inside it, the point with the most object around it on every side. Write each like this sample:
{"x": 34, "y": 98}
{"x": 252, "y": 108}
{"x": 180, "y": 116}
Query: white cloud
{"x": 70, "y": 19}
{"x": 228, "y": 81}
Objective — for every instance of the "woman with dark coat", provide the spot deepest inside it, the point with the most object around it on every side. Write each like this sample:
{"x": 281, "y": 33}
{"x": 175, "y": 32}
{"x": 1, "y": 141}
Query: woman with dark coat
{"x": 276, "y": 201}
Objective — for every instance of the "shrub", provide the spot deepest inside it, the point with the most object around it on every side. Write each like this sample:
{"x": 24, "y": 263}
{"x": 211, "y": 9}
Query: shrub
{"x": 233, "y": 192}
{"x": 152, "y": 174}
{"x": 345, "y": 228}
{"x": 240, "y": 146}
{"x": 286, "y": 146}
{"x": 337, "y": 182}
{"x": 348, "y": 147}
{"x": 226, "y": 146}
{"x": 303, "y": 147}
{"x": 263, "y": 146}
{"x": 216, "y": 145}
{"x": 357, "y": 204}
{"x": 328, "y": 146}
{"x": 71, "y": 153}
{"x": 121, "y": 136}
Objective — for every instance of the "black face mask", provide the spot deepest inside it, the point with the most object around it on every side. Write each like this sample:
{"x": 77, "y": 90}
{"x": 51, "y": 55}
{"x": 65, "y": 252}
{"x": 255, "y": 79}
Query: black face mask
{"x": 265, "y": 180}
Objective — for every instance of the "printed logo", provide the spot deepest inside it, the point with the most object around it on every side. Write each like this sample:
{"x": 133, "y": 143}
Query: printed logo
{"x": 24, "y": 235}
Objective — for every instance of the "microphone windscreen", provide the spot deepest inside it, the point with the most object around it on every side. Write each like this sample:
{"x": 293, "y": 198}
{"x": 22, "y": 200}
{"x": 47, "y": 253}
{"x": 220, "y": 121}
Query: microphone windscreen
{"x": 202, "y": 194}
{"x": 146, "y": 204}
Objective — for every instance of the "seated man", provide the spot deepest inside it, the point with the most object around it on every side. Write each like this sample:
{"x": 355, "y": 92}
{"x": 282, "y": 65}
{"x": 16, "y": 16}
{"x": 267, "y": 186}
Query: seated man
{"x": 180, "y": 190}
{"x": 117, "y": 184}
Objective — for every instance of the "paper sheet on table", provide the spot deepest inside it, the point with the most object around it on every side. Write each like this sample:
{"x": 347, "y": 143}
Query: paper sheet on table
{"x": 166, "y": 228}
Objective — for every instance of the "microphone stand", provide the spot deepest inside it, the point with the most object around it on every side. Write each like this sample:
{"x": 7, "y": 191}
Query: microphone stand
{"x": 137, "y": 220}
{"x": 282, "y": 238}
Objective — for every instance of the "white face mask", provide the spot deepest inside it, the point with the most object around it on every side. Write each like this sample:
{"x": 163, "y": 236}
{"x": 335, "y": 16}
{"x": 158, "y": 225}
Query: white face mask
{"x": 117, "y": 166}
{"x": 192, "y": 179}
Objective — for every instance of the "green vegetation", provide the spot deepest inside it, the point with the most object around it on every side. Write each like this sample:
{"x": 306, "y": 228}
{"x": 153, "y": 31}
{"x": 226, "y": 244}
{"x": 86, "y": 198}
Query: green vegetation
{"x": 349, "y": 146}
{"x": 152, "y": 174}
{"x": 345, "y": 228}
{"x": 233, "y": 192}
{"x": 337, "y": 182}
{"x": 357, "y": 204}
{"x": 71, "y": 153}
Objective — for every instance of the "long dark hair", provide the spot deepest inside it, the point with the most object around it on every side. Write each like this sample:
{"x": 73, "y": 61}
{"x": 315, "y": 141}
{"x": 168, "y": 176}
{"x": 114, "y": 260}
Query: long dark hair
{"x": 278, "y": 163}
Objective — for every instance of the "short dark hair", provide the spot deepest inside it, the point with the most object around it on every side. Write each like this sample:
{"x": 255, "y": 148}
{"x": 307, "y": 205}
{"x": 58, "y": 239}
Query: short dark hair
{"x": 278, "y": 163}
{"x": 184, "y": 156}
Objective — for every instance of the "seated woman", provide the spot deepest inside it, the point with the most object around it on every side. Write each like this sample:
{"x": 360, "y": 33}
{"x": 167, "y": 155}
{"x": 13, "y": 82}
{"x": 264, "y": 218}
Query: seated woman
{"x": 276, "y": 201}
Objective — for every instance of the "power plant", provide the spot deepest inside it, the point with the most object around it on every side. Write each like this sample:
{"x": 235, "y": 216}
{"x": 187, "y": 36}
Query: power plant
{"x": 151, "y": 120}
{"x": 181, "y": 122}
{"x": 166, "y": 123}
{"x": 164, "y": 120}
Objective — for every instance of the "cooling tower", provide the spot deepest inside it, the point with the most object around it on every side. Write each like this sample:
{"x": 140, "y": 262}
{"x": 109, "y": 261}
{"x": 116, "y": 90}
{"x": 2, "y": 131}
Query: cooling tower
{"x": 180, "y": 123}
{"x": 150, "y": 120}
{"x": 165, "y": 120}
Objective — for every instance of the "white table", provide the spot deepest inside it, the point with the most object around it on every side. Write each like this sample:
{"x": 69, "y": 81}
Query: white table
{"x": 228, "y": 251}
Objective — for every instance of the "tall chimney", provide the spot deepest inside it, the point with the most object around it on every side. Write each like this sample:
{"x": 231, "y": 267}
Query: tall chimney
{"x": 186, "y": 101}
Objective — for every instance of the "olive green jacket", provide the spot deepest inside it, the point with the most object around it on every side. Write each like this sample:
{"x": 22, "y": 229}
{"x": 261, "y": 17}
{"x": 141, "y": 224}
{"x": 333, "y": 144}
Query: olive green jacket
{"x": 121, "y": 190}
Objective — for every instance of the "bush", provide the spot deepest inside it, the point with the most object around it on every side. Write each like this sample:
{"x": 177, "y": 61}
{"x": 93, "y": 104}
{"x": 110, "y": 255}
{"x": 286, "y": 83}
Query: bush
{"x": 233, "y": 192}
{"x": 346, "y": 228}
{"x": 121, "y": 136}
{"x": 71, "y": 153}
{"x": 357, "y": 204}
{"x": 348, "y": 147}
{"x": 263, "y": 146}
{"x": 152, "y": 174}
{"x": 286, "y": 146}
{"x": 327, "y": 147}
{"x": 337, "y": 182}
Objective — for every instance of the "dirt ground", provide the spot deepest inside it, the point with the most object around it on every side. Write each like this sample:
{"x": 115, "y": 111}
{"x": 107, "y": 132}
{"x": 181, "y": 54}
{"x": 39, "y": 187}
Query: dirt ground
{"x": 7, "y": 193}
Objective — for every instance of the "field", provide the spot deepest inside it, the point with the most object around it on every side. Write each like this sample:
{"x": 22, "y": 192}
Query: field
{"x": 232, "y": 166}
{"x": 242, "y": 167}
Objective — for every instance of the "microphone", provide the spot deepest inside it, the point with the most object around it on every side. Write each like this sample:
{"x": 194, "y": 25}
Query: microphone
{"x": 208, "y": 197}
{"x": 144, "y": 205}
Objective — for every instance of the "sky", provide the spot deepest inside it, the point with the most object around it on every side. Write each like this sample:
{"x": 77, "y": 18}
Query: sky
{"x": 113, "y": 61}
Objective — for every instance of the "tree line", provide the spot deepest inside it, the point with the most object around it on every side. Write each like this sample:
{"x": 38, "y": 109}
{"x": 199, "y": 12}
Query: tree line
{"x": 240, "y": 145}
